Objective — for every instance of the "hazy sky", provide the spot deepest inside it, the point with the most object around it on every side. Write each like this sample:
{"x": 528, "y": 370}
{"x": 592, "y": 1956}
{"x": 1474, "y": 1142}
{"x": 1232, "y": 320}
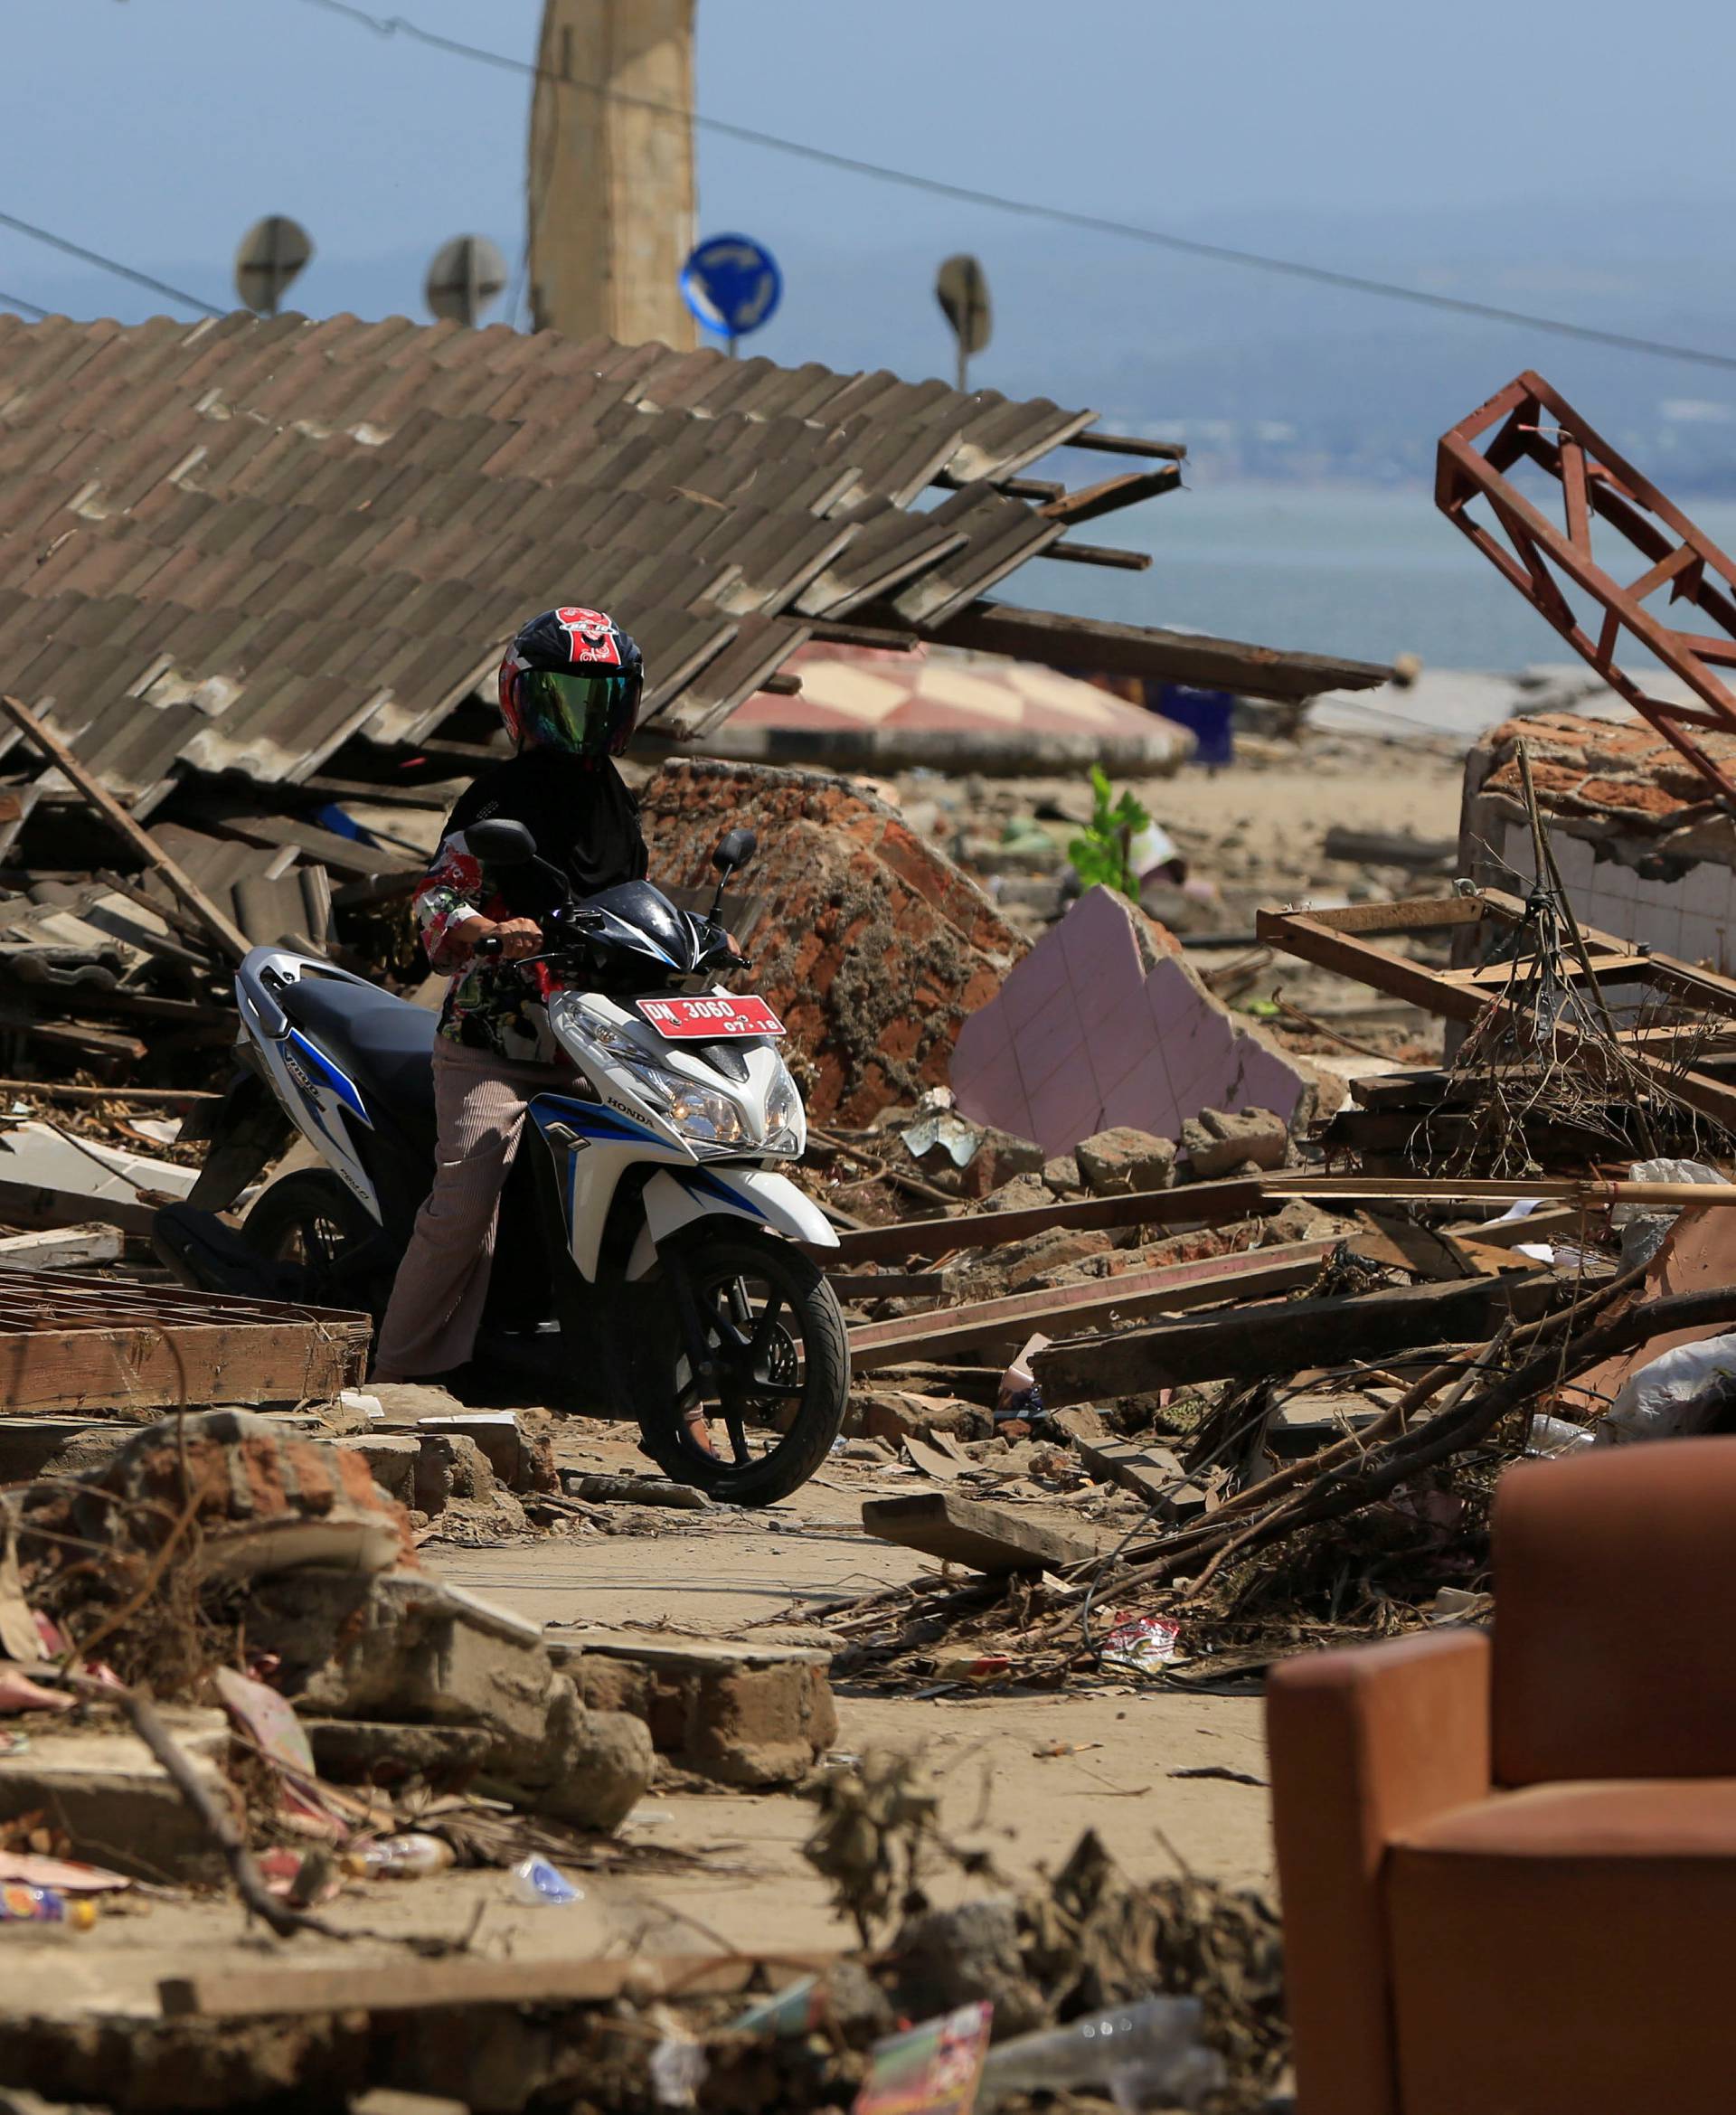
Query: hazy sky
{"x": 156, "y": 129}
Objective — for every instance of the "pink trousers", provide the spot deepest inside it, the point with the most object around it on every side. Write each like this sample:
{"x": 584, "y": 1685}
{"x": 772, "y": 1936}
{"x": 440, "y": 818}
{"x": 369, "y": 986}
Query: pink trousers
{"x": 437, "y": 1298}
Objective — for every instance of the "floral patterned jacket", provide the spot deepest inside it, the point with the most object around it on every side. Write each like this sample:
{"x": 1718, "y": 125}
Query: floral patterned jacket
{"x": 585, "y": 826}
{"x": 490, "y": 1004}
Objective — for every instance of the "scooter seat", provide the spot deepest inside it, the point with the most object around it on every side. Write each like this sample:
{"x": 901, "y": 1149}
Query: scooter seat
{"x": 386, "y": 1044}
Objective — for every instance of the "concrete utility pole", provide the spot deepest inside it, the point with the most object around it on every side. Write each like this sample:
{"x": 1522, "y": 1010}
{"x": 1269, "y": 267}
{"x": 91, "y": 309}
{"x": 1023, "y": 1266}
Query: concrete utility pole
{"x": 611, "y": 180}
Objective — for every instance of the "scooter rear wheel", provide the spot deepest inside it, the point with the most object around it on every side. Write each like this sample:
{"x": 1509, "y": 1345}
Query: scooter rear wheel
{"x": 775, "y": 1337}
{"x": 309, "y": 1218}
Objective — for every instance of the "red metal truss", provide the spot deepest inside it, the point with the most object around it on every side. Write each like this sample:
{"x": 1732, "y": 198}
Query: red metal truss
{"x": 1531, "y": 421}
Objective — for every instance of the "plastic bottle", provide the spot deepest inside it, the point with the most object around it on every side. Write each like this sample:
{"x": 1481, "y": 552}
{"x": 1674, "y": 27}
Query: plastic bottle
{"x": 20, "y": 1904}
{"x": 1147, "y": 2054}
{"x": 404, "y": 1857}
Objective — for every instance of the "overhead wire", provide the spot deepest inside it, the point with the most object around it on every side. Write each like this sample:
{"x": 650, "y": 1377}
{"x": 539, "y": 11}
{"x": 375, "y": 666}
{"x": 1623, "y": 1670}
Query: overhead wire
{"x": 109, "y": 264}
{"x": 387, "y": 26}
{"x": 23, "y": 307}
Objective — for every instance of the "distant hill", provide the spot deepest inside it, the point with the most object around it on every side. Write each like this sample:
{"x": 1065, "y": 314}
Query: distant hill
{"x": 1263, "y": 375}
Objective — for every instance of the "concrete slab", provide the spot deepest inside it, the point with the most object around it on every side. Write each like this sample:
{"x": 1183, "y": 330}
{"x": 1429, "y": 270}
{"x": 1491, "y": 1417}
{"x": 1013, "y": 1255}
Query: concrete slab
{"x": 1098, "y": 1027}
{"x": 117, "y": 1805}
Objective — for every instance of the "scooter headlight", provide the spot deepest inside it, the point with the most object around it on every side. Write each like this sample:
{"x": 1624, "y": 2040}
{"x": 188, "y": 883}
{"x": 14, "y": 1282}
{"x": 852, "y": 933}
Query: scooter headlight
{"x": 701, "y": 1112}
{"x": 783, "y": 1113}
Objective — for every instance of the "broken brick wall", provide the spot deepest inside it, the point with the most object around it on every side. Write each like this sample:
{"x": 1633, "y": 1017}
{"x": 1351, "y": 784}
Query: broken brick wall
{"x": 1643, "y": 854}
{"x": 872, "y": 949}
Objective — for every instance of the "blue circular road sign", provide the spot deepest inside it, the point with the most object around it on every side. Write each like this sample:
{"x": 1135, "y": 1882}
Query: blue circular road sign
{"x": 732, "y": 284}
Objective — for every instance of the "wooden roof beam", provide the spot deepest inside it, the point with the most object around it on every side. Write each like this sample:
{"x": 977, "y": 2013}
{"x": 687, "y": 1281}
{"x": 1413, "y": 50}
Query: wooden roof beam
{"x": 1073, "y": 643}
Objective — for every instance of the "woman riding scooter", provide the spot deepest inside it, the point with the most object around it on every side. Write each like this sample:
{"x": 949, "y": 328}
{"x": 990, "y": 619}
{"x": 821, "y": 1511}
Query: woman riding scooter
{"x": 569, "y": 692}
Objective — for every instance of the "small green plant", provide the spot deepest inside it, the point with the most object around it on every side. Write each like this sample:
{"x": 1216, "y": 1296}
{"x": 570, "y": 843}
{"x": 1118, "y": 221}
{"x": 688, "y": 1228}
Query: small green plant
{"x": 1100, "y": 855}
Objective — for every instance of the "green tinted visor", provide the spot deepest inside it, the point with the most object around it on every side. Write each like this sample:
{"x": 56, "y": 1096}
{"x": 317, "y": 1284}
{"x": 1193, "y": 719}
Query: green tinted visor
{"x": 583, "y": 711}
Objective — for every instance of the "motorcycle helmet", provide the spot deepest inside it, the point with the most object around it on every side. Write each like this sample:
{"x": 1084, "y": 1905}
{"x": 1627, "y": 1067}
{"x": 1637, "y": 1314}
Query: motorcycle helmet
{"x": 572, "y": 680}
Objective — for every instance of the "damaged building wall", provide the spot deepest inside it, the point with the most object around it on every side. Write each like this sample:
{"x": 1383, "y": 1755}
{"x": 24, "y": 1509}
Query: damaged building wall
{"x": 1643, "y": 854}
{"x": 872, "y": 947}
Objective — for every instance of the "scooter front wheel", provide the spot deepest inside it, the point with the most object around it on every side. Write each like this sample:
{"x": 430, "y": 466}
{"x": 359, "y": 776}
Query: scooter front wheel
{"x": 762, "y": 1368}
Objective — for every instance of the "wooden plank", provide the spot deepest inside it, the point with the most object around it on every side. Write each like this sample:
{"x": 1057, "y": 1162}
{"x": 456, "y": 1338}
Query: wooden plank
{"x": 1496, "y": 976}
{"x": 439, "y": 794}
{"x": 1107, "y": 554}
{"x": 56, "y": 1090}
{"x": 1322, "y": 938}
{"x": 69, "y": 1342}
{"x": 99, "y": 1050}
{"x": 1128, "y": 488}
{"x": 1281, "y": 1337}
{"x": 1195, "y": 1204}
{"x": 234, "y": 942}
{"x": 288, "y": 1989}
{"x": 989, "y": 1327}
{"x": 157, "y": 1365}
{"x": 1172, "y": 657}
{"x": 1128, "y": 444}
{"x": 344, "y": 855}
{"x": 1590, "y": 1193}
{"x": 1566, "y": 1221}
{"x": 1151, "y": 1473}
{"x": 1377, "y": 967}
{"x": 966, "y": 1531}
{"x": 1428, "y": 1251}
{"x": 1410, "y": 914}
{"x": 868, "y": 1285}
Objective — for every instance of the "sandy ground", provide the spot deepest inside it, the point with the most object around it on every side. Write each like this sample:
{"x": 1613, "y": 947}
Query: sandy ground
{"x": 713, "y": 1573}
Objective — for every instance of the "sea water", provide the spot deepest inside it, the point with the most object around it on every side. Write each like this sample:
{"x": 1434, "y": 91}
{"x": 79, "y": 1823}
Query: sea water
{"x": 1327, "y": 569}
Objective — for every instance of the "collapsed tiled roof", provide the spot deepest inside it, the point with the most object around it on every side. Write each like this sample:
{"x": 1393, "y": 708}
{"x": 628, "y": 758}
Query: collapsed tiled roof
{"x": 237, "y": 543}
{"x": 949, "y": 710}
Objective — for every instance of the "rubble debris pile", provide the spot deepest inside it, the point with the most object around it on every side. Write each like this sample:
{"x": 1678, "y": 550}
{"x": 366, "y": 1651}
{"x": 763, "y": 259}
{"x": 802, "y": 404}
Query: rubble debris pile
{"x": 872, "y": 948}
{"x": 1643, "y": 854}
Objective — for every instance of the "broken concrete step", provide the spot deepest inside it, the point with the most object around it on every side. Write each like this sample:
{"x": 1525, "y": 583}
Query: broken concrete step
{"x": 392, "y": 1459}
{"x": 368, "y": 1751}
{"x": 986, "y": 1538}
{"x": 117, "y": 1803}
{"x": 744, "y": 1715}
{"x": 521, "y": 1461}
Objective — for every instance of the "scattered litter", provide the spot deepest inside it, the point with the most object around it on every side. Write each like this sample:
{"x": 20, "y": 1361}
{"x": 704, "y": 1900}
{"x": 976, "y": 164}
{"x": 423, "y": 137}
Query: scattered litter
{"x": 65, "y": 1875}
{"x": 934, "y": 2069}
{"x": 796, "y": 2009}
{"x": 1146, "y": 2055}
{"x": 678, "y": 2069}
{"x": 20, "y": 1904}
{"x": 1142, "y": 1642}
{"x": 537, "y": 1883}
{"x": 1548, "y": 1435}
{"x": 1686, "y": 1390}
{"x": 404, "y": 1857}
{"x": 940, "y": 1124}
{"x": 1218, "y": 1769}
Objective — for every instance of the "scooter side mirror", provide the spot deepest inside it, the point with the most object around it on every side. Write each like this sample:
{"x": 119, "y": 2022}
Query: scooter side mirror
{"x": 735, "y": 849}
{"x": 501, "y": 843}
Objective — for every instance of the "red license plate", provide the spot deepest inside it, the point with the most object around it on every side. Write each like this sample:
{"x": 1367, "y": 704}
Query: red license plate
{"x": 693, "y": 1020}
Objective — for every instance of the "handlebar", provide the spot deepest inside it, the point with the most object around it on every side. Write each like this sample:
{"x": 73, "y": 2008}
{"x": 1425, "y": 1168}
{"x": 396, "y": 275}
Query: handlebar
{"x": 569, "y": 926}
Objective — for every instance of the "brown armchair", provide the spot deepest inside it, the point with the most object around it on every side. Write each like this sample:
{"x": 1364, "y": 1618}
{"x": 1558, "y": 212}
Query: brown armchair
{"x": 1508, "y": 1865}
